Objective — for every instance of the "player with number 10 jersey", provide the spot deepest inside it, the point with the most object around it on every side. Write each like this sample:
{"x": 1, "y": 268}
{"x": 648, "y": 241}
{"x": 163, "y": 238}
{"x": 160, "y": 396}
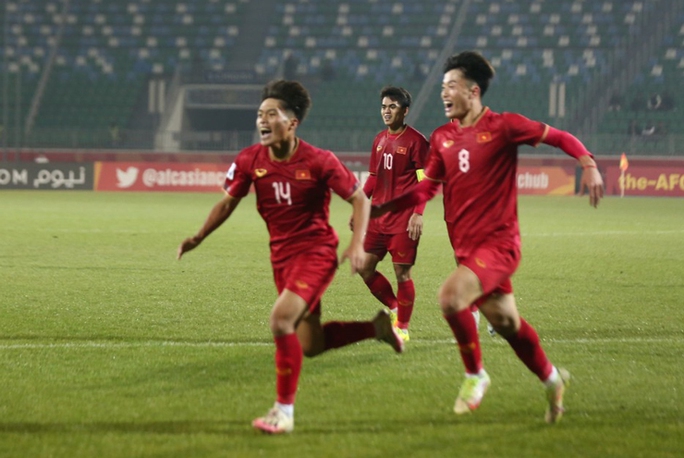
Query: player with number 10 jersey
{"x": 397, "y": 157}
{"x": 395, "y": 161}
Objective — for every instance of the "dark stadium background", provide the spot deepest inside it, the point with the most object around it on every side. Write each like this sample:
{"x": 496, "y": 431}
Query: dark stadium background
{"x": 153, "y": 75}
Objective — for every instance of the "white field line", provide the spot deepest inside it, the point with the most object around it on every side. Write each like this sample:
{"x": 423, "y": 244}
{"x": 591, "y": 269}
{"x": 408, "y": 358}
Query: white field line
{"x": 210, "y": 344}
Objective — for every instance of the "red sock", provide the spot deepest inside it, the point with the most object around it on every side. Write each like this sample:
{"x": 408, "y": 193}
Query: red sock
{"x": 526, "y": 345}
{"x": 340, "y": 333}
{"x": 463, "y": 326}
{"x": 288, "y": 361}
{"x": 381, "y": 288}
{"x": 406, "y": 296}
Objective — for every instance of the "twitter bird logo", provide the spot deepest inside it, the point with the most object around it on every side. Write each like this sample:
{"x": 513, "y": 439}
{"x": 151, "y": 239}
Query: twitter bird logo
{"x": 127, "y": 177}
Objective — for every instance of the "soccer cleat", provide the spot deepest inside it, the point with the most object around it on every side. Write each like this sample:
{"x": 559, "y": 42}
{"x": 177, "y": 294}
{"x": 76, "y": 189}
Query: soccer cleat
{"x": 274, "y": 422}
{"x": 471, "y": 393}
{"x": 554, "y": 394}
{"x": 394, "y": 316}
{"x": 385, "y": 332}
{"x": 403, "y": 333}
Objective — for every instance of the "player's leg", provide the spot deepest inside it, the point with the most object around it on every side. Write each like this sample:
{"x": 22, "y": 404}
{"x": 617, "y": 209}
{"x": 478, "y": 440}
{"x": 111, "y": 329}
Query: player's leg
{"x": 457, "y": 293}
{"x": 300, "y": 284}
{"x": 484, "y": 270}
{"x": 311, "y": 334}
{"x": 406, "y": 297}
{"x": 501, "y": 311}
{"x": 477, "y": 315}
{"x": 286, "y": 312}
{"x": 317, "y": 338}
{"x": 403, "y": 250}
{"x": 375, "y": 246}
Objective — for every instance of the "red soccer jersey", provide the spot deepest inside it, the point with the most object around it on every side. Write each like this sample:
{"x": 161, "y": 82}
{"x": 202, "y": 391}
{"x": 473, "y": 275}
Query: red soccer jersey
{"x": 293, "y": 196}
{"x": 478, "y": 167}
{"x": 394, "y": 160}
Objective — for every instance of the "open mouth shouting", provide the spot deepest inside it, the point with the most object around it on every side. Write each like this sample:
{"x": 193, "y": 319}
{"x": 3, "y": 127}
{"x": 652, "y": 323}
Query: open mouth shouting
{"x": 265, "y": 134}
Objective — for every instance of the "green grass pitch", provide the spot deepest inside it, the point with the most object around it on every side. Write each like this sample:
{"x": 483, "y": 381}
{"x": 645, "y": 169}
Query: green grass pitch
{"x": 109, "y": 347}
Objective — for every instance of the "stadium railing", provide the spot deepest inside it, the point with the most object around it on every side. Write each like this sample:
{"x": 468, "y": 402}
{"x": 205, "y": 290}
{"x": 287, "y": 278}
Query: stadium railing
{"x": 338, "y": 140}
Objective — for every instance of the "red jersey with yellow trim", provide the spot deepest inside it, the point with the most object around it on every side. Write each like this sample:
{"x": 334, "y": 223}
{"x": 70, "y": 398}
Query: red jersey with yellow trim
{"x": 478, "y": 166}
{"x": 394, "y": 160}
{"x": 293, "y": 196}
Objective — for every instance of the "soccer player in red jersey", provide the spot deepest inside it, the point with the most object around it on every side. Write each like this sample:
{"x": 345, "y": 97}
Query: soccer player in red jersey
{"x": 397, "y": 157}
{"x": 292, "y": 180}
{"x": 475, "y": 156}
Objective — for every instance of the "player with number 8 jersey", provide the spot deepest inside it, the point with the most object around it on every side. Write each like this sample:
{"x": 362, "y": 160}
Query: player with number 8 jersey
{"x": 474, "y": 156}
{"x": 480, "y": 162}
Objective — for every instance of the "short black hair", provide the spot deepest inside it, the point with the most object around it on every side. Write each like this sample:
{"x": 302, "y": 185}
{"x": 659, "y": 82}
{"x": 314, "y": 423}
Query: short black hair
{"x": 398, "y": 94}
{"x": 292, "y": 94}
{"x": 474, "y": 67}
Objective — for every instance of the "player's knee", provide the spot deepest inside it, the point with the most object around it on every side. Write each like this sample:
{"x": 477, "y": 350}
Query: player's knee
{"x": 280, "y": 324}
{"x": 450, "y": 301}
{"x": 402, "y": 272}
{"x": 505, "y": 325}
{"x": 445, "y": 306}
{"x": 366, "y": 273}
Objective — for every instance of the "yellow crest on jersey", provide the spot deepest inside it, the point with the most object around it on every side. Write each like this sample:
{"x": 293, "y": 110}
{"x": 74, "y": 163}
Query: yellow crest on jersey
{"x": 260, "y": 172}
{"x": 484, "y": 137}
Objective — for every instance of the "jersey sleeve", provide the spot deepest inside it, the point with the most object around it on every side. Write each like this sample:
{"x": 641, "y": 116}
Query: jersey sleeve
{"x": 369, "y": 185}
{"x": 238, "y": 179}
{"x": 522, "y": 130}
{"x": 434, "y": 168}
{"x": 373, "y": 164}
{"x": 338, "y": 177}
{"x": 421, "y": 153}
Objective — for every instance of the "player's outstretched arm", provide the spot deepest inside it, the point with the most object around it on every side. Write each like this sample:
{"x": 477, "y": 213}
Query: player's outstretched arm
{"x": 354, "y": 252}
{"x": 420, "y": 193}
{"x": 570, "y": 145}
{"x": 218, "y": 214}
{"x": 591, "y": 180}
{"x": 368, "y": 188}
{"x": 369, "y": 185}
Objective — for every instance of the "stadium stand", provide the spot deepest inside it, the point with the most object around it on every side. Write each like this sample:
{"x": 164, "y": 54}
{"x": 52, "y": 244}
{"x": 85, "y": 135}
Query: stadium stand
{"x": 533, "y": 44}
{"x": 106, "y": 52}
{"x": 650, "y": 108}
{"x": 368, "y": 45}
{"x": 78, "y": 70}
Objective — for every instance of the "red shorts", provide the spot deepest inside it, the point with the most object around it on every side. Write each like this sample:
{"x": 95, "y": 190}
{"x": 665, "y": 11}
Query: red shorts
{"x": 494, "y": 262}
{"x": 308, "y": 275}
{"x": 401, "y": 247}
